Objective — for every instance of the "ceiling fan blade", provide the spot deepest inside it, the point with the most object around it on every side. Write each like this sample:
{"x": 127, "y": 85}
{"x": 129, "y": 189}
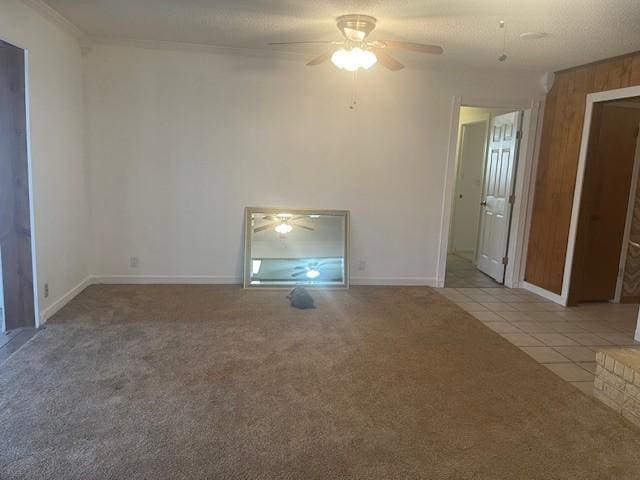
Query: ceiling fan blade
{"x": 318, "y": 60}
{"x": 411, "y": 46}
{"x": 263, "y": 227}
{"x": 302, "y": 226}
{"x": 330, "y": 262}
{"x": 388, "y": 61}
{"x": 326, "y": 42}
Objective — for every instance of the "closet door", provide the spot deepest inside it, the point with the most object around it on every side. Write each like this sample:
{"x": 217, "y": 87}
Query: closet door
{"x": 15, "y": 224}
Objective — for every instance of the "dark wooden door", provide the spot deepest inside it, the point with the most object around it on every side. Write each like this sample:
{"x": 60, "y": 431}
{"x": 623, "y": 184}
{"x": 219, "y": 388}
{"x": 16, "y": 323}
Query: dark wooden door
{"x": 604, "y": 203}
{"x": 15, "y": 225}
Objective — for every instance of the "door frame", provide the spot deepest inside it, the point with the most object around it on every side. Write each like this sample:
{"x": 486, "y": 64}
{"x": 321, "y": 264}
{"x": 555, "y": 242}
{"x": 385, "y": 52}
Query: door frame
{"x": 521, "y": 213}
{"x": 487, "y": 123}
{"x": 592, "y": 98}
{"x": 34, "y": 264}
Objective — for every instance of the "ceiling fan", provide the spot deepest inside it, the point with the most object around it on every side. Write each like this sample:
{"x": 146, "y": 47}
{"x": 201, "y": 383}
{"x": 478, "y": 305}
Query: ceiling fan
{"x": 281, "y": 223}
{"x": 312, "y": 270}
{"x": 356, "y": 51}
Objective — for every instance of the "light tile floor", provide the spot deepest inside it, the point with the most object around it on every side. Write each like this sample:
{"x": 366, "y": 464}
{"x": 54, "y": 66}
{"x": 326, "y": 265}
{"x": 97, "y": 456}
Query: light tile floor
{"x": 562, "y": 339}
{"x": 462, "y": 273}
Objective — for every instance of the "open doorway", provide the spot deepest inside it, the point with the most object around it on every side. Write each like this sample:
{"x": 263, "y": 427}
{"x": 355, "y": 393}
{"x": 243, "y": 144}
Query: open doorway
{"x": 606, "y": 266}
{"x": 16, "y": 265}
{"x": 484, "y": 192}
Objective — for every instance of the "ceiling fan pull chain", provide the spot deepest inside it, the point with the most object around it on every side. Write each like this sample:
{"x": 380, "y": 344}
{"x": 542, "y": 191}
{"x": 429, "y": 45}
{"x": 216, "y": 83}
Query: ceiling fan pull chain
{"x": 354, "y": 92}
{"x": 503, "y": 55}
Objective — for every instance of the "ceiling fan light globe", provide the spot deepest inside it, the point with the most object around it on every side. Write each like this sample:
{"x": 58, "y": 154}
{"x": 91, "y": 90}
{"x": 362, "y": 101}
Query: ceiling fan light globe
{"x": 339, "y": 58}
{"x": 353, "y": 59}
{"x": 369, "y": 59}
{"x": 313, "y": 273}
{"x": 283, "y": 228}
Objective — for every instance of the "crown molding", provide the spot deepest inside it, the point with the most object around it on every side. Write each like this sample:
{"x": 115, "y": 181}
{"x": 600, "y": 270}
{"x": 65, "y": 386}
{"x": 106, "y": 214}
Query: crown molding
{"x": 196, "y": 47}
{"x": 249, "y": 52}
{"x": 56, "y": 18}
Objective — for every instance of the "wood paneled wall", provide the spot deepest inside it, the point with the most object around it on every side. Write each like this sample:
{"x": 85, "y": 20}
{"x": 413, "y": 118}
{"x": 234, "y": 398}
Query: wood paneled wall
{"x": 558, "y": 162}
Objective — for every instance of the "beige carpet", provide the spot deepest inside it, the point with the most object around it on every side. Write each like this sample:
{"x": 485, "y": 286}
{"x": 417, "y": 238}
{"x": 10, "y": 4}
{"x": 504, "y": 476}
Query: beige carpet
{"x": 205, "y": 382}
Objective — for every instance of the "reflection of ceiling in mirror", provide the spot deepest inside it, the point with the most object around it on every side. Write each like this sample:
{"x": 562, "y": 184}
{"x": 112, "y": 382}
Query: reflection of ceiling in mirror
{"x": 326, "y": 227}
{"x": 324, "y": 236}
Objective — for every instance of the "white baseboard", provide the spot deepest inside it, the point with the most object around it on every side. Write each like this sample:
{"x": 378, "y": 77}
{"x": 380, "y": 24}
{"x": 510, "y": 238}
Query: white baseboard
{"x": 406, "y": 281}
{"x": 51, "y": 310}
{"x": 544, "y": 293}
{"x": 222, "y": 280}
{"x": 165, "y": 279}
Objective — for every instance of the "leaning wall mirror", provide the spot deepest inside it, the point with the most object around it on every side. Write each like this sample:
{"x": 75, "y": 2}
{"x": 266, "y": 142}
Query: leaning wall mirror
{"x": 287, "y": 247}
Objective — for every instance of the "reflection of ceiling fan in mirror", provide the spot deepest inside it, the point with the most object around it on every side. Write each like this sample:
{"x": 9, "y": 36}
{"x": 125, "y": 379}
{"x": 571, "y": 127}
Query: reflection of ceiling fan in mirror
{"x": 281, "y": 223}
{"x": 355, "y": 51}
{"x": 312, "y": 270}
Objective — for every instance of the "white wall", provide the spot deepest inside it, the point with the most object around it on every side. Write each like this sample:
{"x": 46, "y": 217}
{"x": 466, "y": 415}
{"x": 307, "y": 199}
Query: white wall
{"x": 179, "y": 142}
{"x": 58, "y": 168}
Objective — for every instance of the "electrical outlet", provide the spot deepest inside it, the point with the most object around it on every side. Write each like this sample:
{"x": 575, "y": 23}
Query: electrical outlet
{"x": 134, "y": 262}
{"x": 362, "y": 266}
{"x": 46, "y": 290}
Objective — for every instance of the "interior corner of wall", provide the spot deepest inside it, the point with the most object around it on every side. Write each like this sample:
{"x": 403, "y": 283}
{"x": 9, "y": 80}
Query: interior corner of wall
{"x": 547, "y": 80}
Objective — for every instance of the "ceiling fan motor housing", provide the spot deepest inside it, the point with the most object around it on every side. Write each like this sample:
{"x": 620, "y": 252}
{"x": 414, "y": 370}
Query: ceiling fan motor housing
{"x": 356, "y": 27}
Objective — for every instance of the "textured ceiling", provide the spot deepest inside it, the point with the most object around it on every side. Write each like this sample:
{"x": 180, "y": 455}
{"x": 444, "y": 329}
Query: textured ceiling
{"x": 580, "y": 30}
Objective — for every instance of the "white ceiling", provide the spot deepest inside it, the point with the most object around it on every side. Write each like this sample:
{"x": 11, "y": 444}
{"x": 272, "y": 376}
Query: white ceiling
{"x": 580, "y": 30}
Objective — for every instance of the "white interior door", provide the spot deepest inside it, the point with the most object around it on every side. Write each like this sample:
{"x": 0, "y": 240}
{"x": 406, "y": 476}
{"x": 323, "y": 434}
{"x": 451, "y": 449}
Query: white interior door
{"x": 495, "y": 214}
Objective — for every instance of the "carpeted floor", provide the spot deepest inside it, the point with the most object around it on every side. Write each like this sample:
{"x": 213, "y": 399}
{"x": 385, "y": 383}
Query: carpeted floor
{"x": 210, "y": 382}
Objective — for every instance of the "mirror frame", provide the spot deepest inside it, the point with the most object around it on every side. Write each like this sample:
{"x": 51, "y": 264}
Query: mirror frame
{"x": 249, "y": 211}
